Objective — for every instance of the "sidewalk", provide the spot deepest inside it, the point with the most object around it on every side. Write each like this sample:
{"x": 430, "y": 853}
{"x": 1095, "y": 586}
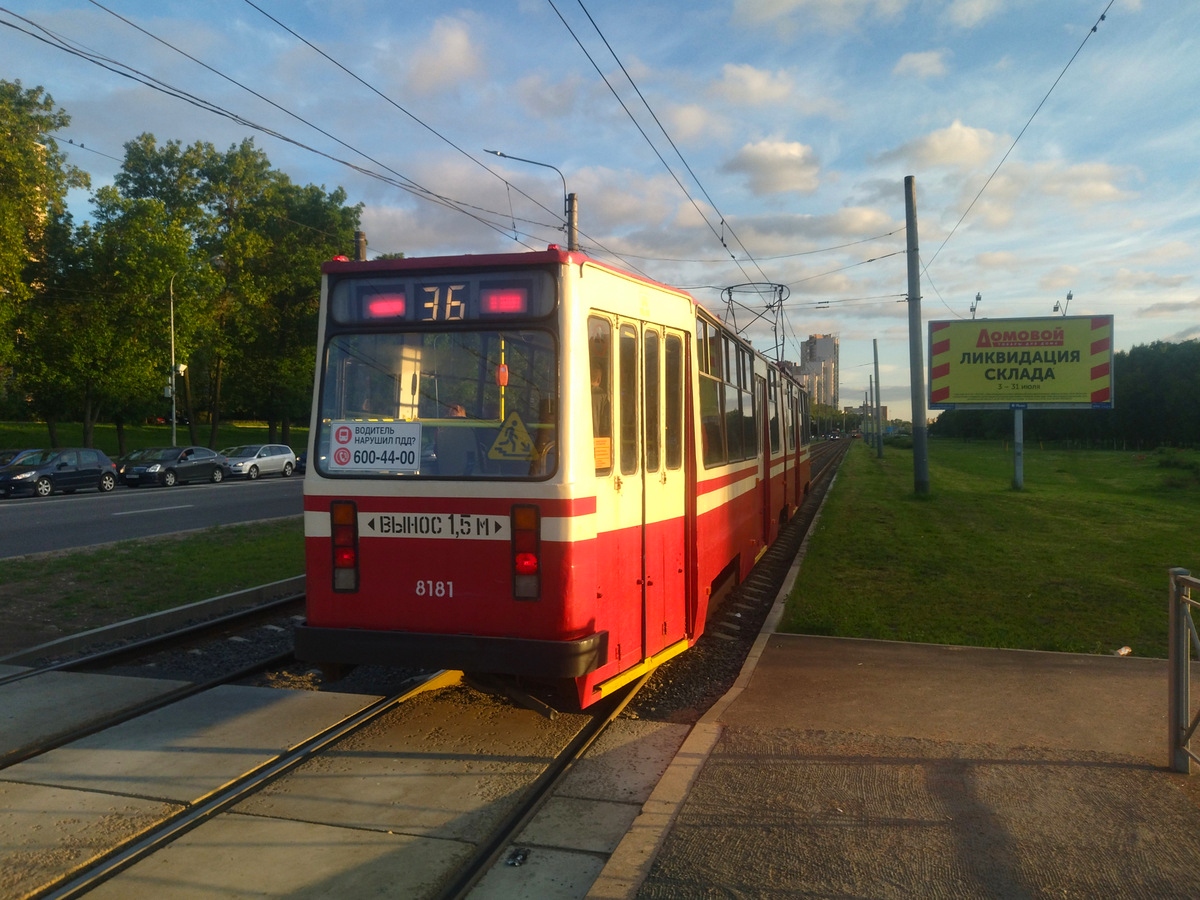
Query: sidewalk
{"x": 848, "y": 768}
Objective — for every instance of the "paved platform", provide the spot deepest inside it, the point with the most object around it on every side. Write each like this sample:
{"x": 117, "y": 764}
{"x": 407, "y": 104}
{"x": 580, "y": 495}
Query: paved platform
{"x": 850, "y": 768}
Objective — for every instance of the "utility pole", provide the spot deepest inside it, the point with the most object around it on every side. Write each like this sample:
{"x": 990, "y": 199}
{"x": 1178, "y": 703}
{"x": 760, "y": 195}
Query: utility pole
{"x": 916, "y": 357}
{"x": 878, "y": 405}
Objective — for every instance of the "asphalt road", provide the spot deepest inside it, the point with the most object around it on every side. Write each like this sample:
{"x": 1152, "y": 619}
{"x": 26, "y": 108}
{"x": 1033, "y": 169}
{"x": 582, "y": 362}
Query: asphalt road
{"x": 59, "y": 522}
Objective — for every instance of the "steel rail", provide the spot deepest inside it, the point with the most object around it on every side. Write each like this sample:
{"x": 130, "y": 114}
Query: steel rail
{"x": 146, "y": 706}
{"x": 86, "y": 877}
{"x": 155, "y": 643}
{"x": 489, "y": 850}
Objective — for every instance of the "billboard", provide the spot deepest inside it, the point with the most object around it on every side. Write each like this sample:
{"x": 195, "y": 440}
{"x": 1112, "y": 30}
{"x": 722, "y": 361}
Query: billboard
{"x": 1053, "y": 363}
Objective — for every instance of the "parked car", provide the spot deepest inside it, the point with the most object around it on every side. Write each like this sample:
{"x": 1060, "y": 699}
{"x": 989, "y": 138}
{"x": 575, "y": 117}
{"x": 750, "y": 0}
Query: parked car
{"x": 42, "y": 472}
{"x": 302, "y": 462}
{"x": 9, "y": 457}
{"x": 253, "y": 460}
{"x": 169, "y": 466}
{"x": 129, "y": 460}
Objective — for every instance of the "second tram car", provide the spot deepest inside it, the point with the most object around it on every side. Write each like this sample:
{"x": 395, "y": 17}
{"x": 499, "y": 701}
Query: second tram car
{"x": 534, "y": 464}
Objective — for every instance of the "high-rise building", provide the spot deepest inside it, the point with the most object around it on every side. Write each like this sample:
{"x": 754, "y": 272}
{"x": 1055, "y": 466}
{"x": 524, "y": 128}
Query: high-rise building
{"x": 819, "y": 368}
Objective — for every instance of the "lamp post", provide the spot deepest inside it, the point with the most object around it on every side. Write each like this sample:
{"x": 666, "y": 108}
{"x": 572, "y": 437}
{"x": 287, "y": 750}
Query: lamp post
{"x": 570, "y": 207}
{"x": 171, "y": 298}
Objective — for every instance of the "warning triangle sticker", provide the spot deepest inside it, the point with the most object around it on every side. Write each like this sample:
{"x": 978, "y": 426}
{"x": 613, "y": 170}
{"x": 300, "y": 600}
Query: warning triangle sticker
{"x": 513, "y": 441}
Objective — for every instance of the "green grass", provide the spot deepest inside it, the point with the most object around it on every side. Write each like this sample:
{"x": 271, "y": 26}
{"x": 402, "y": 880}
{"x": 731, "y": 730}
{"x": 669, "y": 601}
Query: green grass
{"x": 90, "y": 587}
{"x": 1077, "y": 561}
{"x": 70, "y": 434}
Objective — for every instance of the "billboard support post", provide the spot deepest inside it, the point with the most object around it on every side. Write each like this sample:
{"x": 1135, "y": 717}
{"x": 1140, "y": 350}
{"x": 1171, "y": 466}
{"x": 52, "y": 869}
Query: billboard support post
{"x": 1018, "y": 448}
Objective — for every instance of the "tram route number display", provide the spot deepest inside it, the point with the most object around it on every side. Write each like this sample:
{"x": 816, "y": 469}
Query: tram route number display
{"x": 375, "y": 446}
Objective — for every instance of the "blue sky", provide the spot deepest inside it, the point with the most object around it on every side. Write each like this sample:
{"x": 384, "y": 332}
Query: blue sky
{"x": 792, "y": 126}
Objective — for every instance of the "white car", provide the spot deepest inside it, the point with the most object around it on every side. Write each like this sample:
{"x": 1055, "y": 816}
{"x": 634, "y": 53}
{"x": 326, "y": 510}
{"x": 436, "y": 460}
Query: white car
{"x": 253, "y": 460}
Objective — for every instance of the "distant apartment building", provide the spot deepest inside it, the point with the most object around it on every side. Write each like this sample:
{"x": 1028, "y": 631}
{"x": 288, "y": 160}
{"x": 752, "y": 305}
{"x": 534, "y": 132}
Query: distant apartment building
{"x": 819, "y": 368}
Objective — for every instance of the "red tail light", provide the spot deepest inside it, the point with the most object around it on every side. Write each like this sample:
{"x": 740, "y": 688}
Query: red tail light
{"x": 526, "y": 524}
{"x": 343, "y": 531}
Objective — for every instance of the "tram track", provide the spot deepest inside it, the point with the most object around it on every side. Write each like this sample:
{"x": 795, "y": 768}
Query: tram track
{"x": 346, "y": 751}
{"x": 442, "y": 702}
{"x": 179, "y": 640}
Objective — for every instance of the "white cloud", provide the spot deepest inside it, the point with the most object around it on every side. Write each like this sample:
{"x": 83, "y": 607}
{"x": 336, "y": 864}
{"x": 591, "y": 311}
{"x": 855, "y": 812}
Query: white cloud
{"x": 775, "y": 167}
{"x": 687, "y": 123}
{"x": 745, "y": 84}
{"x": 929, "y": 64}
{"x": 445, "y": 58}
{"x": 970, "y": 13}
{"x": 1171, "y": 309}
{"x": 833, "y": 14}
{"x": 549, "y": 99}
{"x": 957, "y": 146}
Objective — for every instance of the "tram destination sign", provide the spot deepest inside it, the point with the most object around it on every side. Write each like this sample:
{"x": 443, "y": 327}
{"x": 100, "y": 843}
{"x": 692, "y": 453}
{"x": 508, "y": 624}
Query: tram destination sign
{"x": 1050, "y": 363}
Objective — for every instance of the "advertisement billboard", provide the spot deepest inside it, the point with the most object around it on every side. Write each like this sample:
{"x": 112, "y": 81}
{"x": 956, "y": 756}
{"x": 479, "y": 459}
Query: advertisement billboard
{"x": 1059, "y": 362}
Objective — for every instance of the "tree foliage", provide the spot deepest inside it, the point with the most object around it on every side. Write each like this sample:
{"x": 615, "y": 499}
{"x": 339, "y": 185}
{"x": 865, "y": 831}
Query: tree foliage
{"x": 35, "y": 179}
{"x": 220, "y": 242}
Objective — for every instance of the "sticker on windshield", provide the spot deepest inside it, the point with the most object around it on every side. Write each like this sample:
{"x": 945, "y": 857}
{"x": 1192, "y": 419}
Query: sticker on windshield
{"x": 372, "y": 446}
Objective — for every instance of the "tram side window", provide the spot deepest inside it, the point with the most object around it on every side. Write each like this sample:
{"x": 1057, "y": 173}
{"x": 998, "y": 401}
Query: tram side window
{"x": 653, "y": 379}
{"x": 773, "y": 409}
{"x": 712, "y": 430}
{"x": 628, "y": 409}
{"x": 674, "y": 404}
{"x": 600, "y": 362}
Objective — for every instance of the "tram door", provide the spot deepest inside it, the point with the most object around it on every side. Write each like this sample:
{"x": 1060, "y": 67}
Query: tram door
{"x": 663, "y": 478}
{"x": 639, "y": 379}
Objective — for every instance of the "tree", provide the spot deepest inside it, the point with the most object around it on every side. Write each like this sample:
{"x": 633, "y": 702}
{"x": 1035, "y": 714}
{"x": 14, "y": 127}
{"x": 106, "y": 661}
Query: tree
{"x": 36, "y": 179}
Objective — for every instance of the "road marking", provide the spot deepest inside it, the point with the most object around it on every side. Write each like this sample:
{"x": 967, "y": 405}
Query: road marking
{"x": 138, "y": 512}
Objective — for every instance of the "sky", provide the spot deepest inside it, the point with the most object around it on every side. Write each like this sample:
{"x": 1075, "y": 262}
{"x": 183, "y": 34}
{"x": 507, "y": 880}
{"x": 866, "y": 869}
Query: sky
{"x": 715, "y": 145}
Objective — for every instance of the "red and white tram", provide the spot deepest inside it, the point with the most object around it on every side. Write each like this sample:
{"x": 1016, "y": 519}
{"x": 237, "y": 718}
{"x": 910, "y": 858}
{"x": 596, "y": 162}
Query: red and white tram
{"x": 533, "y": 464}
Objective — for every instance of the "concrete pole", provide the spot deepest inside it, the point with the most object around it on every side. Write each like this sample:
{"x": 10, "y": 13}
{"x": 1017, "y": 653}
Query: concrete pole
{"x": 878, "y": 405}
{"x": 916, "y": 356}
{"x": 572, "y": 222}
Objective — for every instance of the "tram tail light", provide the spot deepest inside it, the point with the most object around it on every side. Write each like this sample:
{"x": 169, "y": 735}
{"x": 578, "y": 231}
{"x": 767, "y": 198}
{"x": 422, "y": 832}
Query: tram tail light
{"x": 526, "y": 524}
{"x": 343, "y": 521}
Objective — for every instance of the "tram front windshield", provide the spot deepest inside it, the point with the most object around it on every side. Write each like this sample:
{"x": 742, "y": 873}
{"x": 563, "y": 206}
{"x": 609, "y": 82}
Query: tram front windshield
{"x": 439, "y": 404}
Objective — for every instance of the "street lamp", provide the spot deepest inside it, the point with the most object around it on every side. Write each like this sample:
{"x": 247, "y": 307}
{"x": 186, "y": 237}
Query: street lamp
{"x": 1063, "y": 307}
{"x": 570, "y": 209}
{"x": 171, "y": 296}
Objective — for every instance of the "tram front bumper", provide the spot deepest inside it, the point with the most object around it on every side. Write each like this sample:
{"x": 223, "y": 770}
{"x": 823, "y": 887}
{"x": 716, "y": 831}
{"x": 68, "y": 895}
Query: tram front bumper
{"x": 472, "y": 653}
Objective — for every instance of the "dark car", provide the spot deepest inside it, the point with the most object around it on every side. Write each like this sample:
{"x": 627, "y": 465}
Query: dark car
{"x": 174, "y": 465}
{"x": 128, "y": 461}
{"x": 42, "y": 472}
{"x": 9, "y": 457}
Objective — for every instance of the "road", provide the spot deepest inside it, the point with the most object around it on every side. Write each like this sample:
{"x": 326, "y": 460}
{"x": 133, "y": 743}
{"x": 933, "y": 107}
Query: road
{"x": 37, "y": 525}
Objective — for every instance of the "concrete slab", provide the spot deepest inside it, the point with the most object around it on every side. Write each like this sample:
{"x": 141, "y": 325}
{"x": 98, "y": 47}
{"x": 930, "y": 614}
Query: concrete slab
{"x": 626, "y": 762}
{"x": 185, "y": 750}
{"x": 877, "y": 769}
{"x": 438, "y": 766}
{"x": 237, "y": 856}
{"x": 1010, "y": 698}
{"x": 37, "y": 709}
{"x": 569, "y": 823}
{"x": 45, "y": 831}
{"x": 545, "y": 875}
{"x": 12, "y": 670}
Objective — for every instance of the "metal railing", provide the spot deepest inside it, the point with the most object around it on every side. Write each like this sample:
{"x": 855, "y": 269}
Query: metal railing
{"x": 1181, "y": 638}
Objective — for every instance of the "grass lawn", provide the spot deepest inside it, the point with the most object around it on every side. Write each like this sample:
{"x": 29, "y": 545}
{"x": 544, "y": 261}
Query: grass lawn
{"x": 87, "y": 588}
{"x": 1077, "y": 561}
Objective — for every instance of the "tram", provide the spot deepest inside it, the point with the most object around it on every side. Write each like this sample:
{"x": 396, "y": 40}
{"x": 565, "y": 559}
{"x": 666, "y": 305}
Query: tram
{"x": 534, "y": 465}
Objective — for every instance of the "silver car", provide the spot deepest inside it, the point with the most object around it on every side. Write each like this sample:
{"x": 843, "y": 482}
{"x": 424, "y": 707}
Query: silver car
{"x": 254, "y": 460}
